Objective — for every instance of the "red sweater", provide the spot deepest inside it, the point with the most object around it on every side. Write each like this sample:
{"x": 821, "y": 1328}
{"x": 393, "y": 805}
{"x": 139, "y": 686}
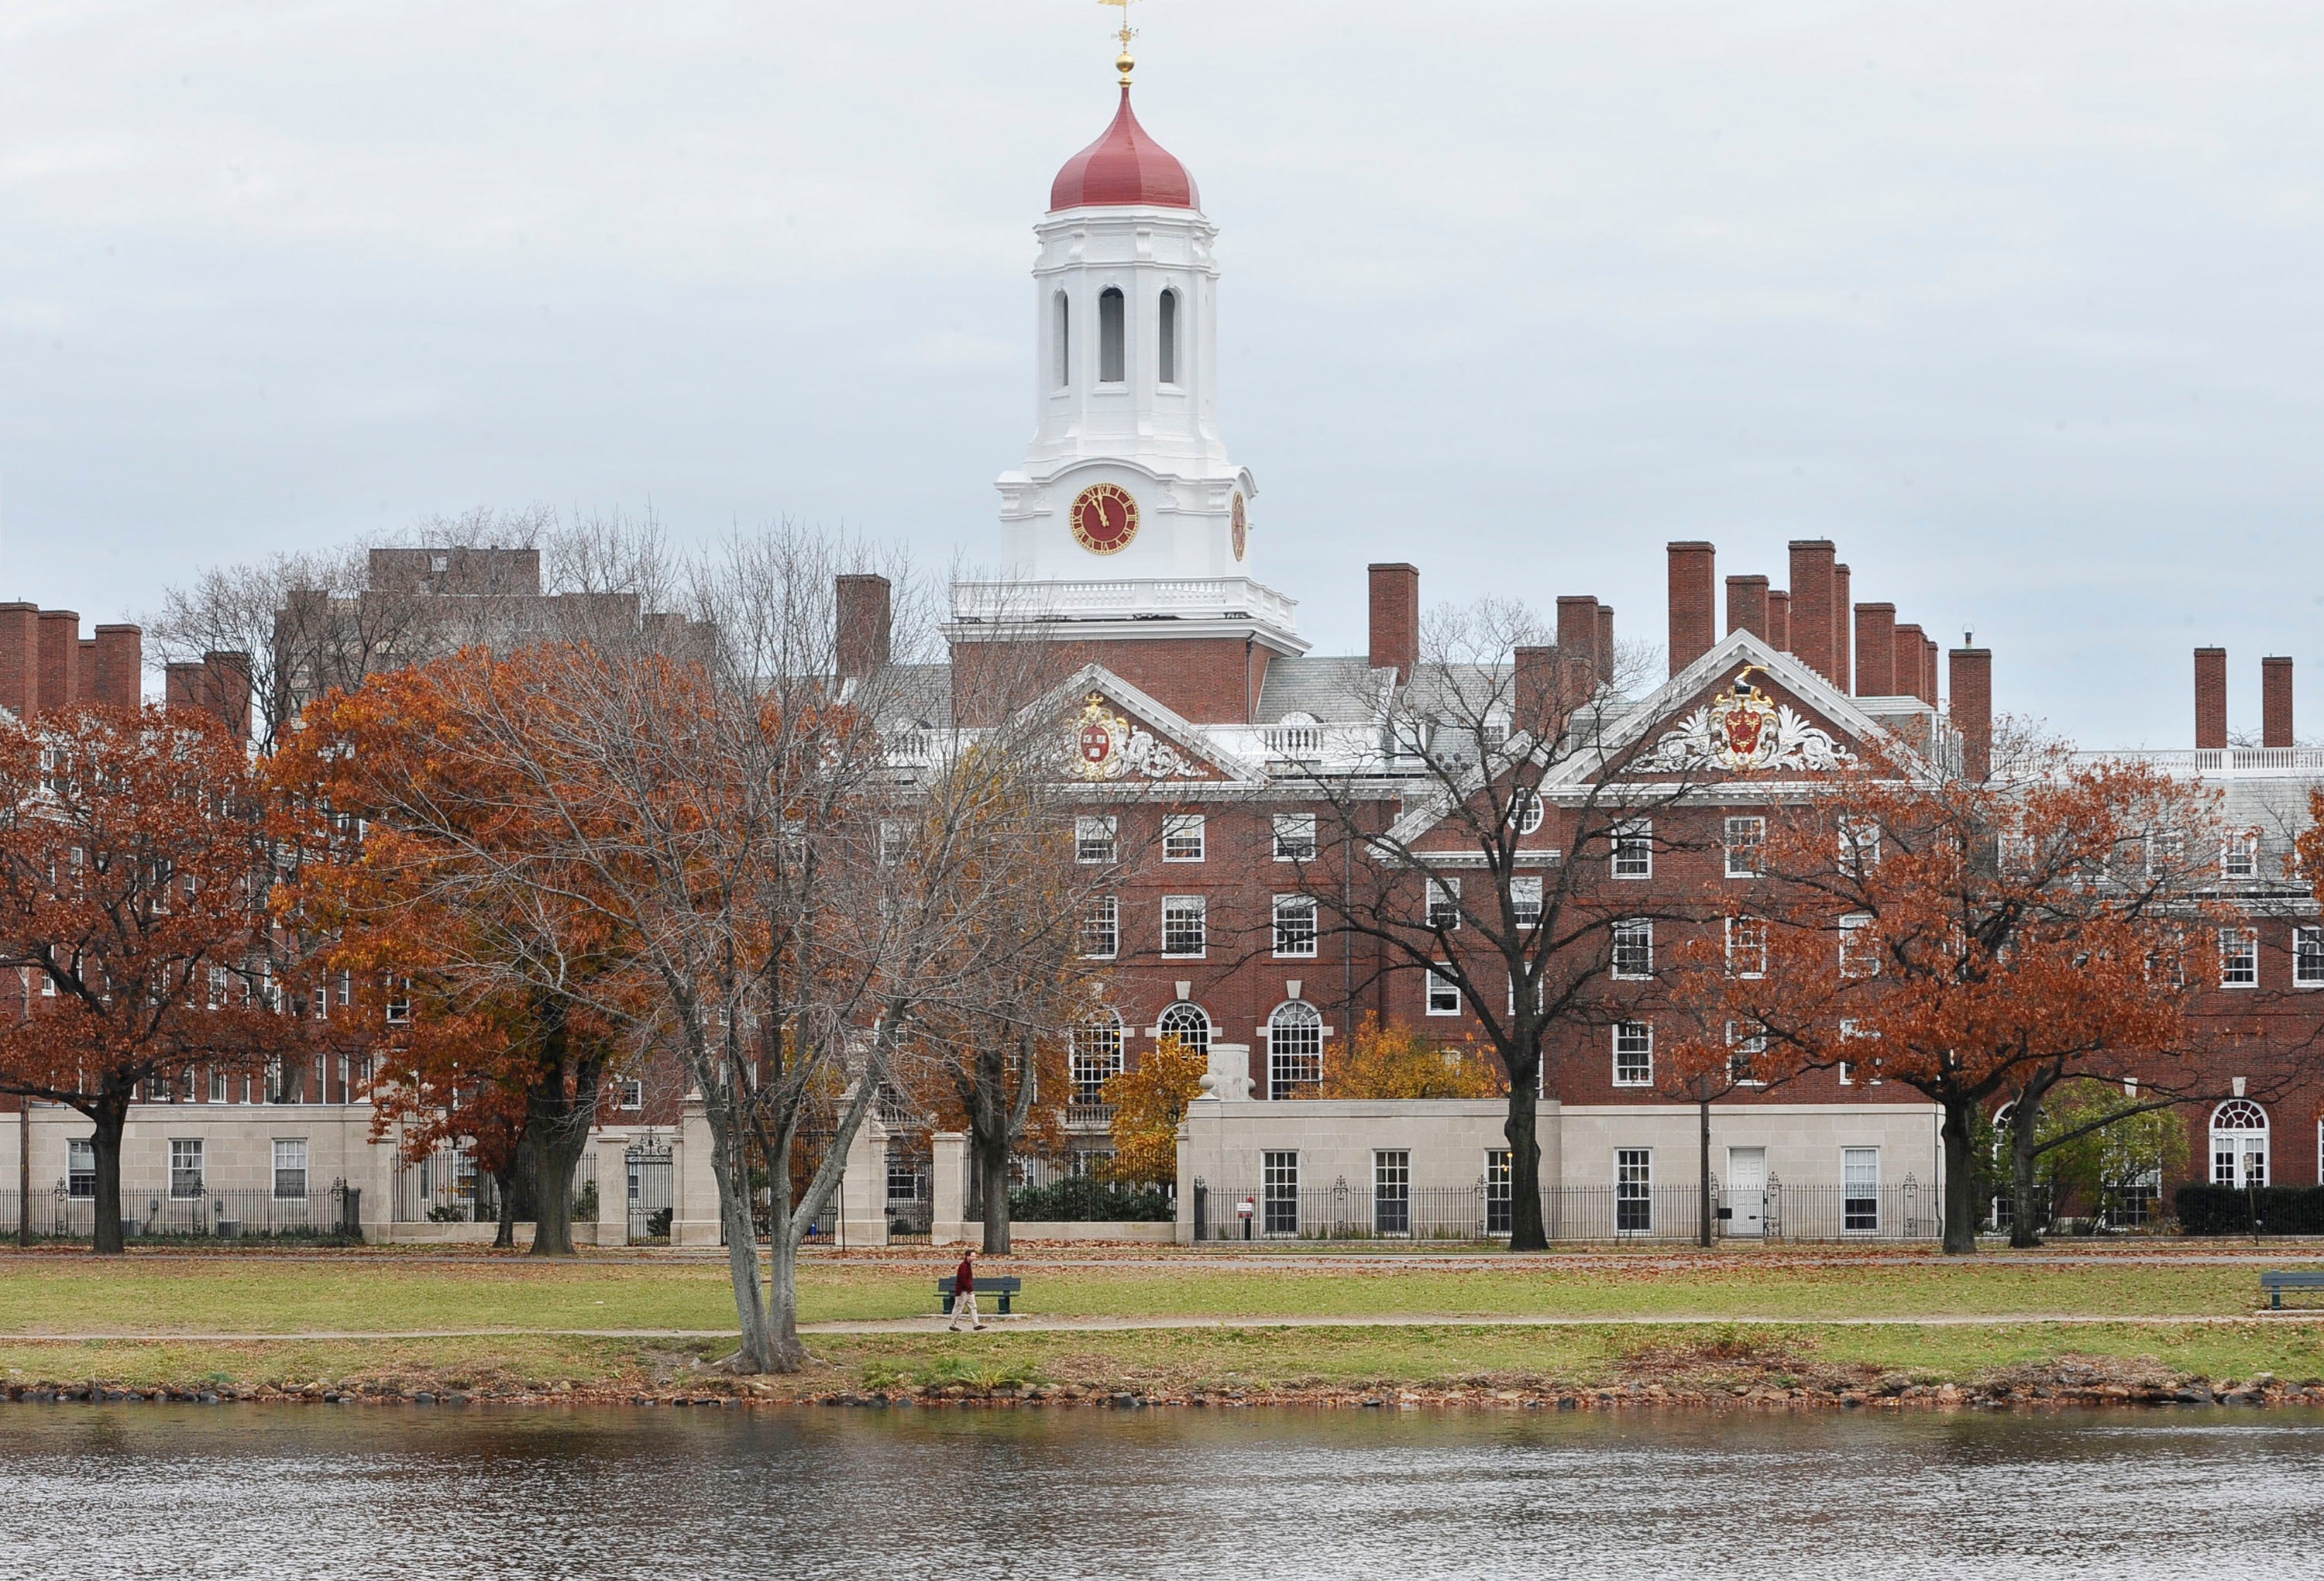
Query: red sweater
{"x": 963, "y": 1278}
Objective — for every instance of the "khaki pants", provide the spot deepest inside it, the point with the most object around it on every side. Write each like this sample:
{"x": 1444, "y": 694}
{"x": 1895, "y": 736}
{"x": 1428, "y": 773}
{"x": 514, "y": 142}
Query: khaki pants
{"x": 964, "y": 1305}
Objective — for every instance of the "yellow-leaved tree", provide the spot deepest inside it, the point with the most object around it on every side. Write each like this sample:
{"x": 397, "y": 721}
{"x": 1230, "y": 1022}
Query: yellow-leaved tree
{"x": 1383, "y": 1061}
{"x": 1148, "y": 1103}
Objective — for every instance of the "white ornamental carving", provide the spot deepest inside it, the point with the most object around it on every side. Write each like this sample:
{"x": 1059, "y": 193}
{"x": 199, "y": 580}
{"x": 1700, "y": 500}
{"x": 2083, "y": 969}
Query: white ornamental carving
{"x": 1746, "y": 730}
{"x": 1104, "y": 746}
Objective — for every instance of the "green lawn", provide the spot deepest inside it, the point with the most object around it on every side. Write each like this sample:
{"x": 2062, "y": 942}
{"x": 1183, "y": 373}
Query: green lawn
{"x": 52, "y": 1294}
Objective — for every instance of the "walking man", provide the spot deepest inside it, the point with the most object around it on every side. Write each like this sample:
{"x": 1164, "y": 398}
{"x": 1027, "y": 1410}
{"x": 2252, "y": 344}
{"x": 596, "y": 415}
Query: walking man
{"x": 963, "y": 1294}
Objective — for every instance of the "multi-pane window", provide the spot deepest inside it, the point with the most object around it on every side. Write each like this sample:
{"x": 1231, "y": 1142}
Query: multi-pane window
{"x": 1188, "y": 1024}
{"x": 1633, "y": 1190}
{"x": 289, "y": 1169}
{"x": 1096, "y": 1056}
{"x": 1747, "y": 946}
{"x": 1443, "y": 993}
{"x": 628, "y": 1093}
{"x": 1859, "y": 955}
{"x": 399, "y": 1001}
{"x": 1747, "y": 1042}
{"x": 1859, "y": 1190}
{"x": 2239, "y": 1144}
{"x": 1186, "y": 925}
{"x": 1634, "y": 849}
{"x": 1525, "y": 809}
{"x": 895, "y": 835}
{"x": 1524, "y": 901}
{"x": 1391, "y": 1192}
{"x": 1295, "y": 925}
{"x": 1634, "y": 948}
{"x": 1101, "y": 938}
{"x": 2238, "y": 958}
{"x": 1295, "y": 1050}
{"x": 1093, "y": 839}
{"x": 80, "y": 1167}
{"x": 1295, "y": 837}
{"x": 1444, "y": 903}
{"x": 1746, "y": 844}
{"x": 185, "y": 1166}
{"x": 1860, "y": 845}
{"x": 1182, "y": 837}
{"x": 1280, "y": 1189}
{"x": 2308, "y": 957}
{"x": 1633, "y": 1053}
{"x": 1498, "y": 1193}
{"x": 2240, "y": 855}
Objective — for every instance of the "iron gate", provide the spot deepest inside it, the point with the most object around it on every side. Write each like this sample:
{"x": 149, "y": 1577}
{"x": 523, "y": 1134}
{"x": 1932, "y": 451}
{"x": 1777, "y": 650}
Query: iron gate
{"x": 651, "y": 1196}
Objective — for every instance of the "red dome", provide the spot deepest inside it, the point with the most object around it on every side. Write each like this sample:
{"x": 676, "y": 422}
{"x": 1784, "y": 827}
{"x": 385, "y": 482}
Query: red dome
{"x": 1124, "y": 167}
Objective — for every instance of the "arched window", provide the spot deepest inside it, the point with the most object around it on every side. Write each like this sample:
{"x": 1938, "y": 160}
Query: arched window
{"x": 1188, "y": 1024}
{"x": 1110, "y": 331}
{"x": 1166, "y": 351}
{"x": 1295, "y": 1050}
{"x": 2239, "y": 1144}
{"x": 1096, "y": 1056}
{"x": 1062, "y": 336}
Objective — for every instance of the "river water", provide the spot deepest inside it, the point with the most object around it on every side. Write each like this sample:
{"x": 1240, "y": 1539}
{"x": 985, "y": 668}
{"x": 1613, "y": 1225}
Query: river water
{"x": 322, "y": 1491}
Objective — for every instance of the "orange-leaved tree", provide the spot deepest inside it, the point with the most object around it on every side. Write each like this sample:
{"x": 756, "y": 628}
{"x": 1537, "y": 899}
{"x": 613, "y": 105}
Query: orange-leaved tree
{"x": 1148, "y": 1105}
{"x": 1970, "y": 939}
{"x": 1384, "y": 1061}
{"x": 135, "y": 866}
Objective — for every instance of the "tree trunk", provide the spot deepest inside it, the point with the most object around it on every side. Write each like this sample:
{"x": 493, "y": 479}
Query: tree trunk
{"x": 758, "y": 1352}
{"x": 109, "y": 1119}
{"x": 1527, "y": 1231}
{"x": 555, "y": 1153}
{"x": 2022, "y": 1120}
{"x": 1960, "y": 1176}
{"x": 504, "y": 1237}
{"x": 1704, "y": 1104}
{"x": 992, "y": 1181}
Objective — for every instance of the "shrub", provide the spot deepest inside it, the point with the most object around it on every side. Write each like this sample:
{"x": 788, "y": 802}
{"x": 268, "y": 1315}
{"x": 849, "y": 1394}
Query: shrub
{"x": 1087, "y": 1199}
{"x": 2229, "y": 1210}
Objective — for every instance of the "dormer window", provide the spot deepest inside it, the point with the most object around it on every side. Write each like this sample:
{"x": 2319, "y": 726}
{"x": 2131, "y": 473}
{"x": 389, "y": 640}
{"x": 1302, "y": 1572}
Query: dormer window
{"x": 1111, "y": 326}
{"x": 1166, "y": 351}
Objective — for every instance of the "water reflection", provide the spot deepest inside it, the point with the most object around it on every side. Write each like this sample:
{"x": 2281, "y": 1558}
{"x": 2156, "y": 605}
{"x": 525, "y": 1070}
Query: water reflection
{"x": 395, "y": 1492}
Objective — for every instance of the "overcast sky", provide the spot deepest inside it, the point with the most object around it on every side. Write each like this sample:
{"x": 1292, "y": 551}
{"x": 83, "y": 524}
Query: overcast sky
{"x": 2019, "y": 303}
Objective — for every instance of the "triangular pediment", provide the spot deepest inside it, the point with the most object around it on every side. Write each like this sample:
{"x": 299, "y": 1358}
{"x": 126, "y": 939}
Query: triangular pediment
{"x": 1110, "y": 732}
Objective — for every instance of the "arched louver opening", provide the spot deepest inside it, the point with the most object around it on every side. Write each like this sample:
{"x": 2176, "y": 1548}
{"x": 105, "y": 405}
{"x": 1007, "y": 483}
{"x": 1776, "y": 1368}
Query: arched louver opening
{"x": 1166, "y": 351}
{"x": 1111, "y": 357}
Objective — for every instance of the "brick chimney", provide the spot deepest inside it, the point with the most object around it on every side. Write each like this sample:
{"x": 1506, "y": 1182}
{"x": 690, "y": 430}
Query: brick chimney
{"x": 1843, "y": 669}
{"x": 1536, "y": 702}
{"x": 1395, "y": 619}
{"x": 1813, "y": 606}
{"x": 866, "y": 621}
{"x": 120, "y": 666}
{"x": 1779, "y": 619}
{"x": 2211, "y": 698}
{"x": 1971, "y": 678}
{"x": 59, "y": 658}
{"x": 1911, "y": 659}
{"x": 219, "y": 684}
{"x": 1875, "y": 650}
{"x": 1746, "y": 606}
{"x": 20, "y": 658}
{"x": 1605, "y": 643}
{"x": 1577, "y": 629}
{"x": 2275, "y": 701}
{"x": 1929, "y": 670}
{"x": 1693, "y": 603}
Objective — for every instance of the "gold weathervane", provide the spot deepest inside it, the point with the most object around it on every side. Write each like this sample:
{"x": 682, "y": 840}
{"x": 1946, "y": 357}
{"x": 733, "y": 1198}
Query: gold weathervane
{"x": 1122, "y": 62}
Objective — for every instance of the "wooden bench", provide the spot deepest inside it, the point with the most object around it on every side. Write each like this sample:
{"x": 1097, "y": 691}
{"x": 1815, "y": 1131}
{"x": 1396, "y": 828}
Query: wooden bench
{"x": 1004, "y": 1287}
{"x": 2275, "y": 1282}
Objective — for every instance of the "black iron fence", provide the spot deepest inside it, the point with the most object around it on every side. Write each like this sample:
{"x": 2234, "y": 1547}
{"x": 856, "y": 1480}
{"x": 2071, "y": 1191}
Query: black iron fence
{"x": 159, "y": 1213}
{"x": 446, "y": 1187}
{"x": 1615, "y": 1213}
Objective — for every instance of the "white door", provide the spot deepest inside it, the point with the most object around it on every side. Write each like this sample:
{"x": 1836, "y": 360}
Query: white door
{"x": 1747, "y": 1191}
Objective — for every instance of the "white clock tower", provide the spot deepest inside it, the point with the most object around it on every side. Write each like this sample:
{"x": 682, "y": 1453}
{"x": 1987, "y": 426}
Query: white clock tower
{"x": 1126, "y": 510}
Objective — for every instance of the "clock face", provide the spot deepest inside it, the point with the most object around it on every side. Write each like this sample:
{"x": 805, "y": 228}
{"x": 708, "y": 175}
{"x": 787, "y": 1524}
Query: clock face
{"x": 1105, "y": 519}
{"x": 1241, "y": 527}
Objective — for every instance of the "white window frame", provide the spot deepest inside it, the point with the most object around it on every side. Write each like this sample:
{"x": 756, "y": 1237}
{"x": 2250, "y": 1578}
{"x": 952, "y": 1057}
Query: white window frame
{"x": 1635, "y": 937}
{"x": 1856, "y": 1188}
{"x": 1748, "y": 934}
{"x": 1859, "y": 845}
{"x": 1633, "y": 856}
{"x": 1527, "y": 810}
{"x": 1195, "y": 1029}
{"x": 2308, "y": 960}
{"x": 1295, "y": 930}
{"x": 1741, "y": 1050}
{"x": 1101, "y": 923}
{"x": 1633, "y": 1190}
{"x": 2238, "y": 958}
{"x": 188, "y": 1176}
{"x": 1096, "y": 838}
{"x": 291, "y": 1156}
{"x": 1290, "y": 1070}
{"x": 2231, "y": 1148}
{"x": 1295, "y": 837}
{"x": 629, "y": 1094}
{"x": 80, "y": 1168}
{"x": 1751, "y": 847}
{"x": 2240, "y": 855}
{"x": 1197, "y": 908}
{"x": 1525, "y": 900}
{"x": 1855, "y": 959}
{"x": 1185, "y": 837}
{"x": 895, "y": 839}
{"x": 1093, "y": 1056}
{"x": 1444, "y": 905}
{"x": 1443, "y": 994}
{"x": 1633, "y": 1053}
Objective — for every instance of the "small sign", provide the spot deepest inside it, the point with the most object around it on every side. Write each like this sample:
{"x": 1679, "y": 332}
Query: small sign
{"x": 1243, "y": 1208}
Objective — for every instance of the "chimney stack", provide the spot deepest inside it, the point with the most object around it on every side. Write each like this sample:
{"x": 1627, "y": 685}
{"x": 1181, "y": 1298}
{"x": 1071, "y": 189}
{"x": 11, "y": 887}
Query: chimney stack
{"x": 2275, "y": 701}
{"x": 1812, "y": 609}
{"x": 866, "y": 624}
{"x": 1746, "y": 606}
{"x": 1875, "y": 650}
{"x": 120, "y": 678}
{"x": 1929, "y": 670}
{"x": 59, "y": 658}
{"x": 2211, "y": 698}
{"x": 1693, "y": 610}
{"x": 1395, "y": 619}
{"x": 1911, "y": 659}
{"x": 1536, "y": 691}
{"x": 20, "y": 659}
{"x": 1971, "y": 676}
{"x": 1606, "y": 643}
{"x": 1779, "y": 619}
{"x": 1843, "y": 670}
{"x": 219, "y": 684}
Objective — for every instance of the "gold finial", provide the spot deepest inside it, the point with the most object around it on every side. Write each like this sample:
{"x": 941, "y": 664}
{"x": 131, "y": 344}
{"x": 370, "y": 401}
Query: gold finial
{"x": 1122, "y": 62}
